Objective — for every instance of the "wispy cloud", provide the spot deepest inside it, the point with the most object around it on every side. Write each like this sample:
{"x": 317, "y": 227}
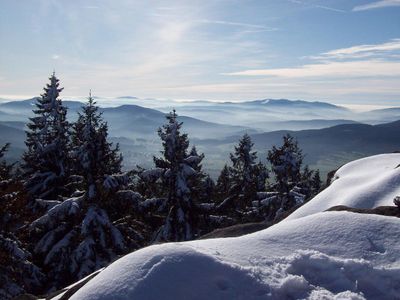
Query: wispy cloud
{"x": 377, "y": 4}
{"x": 361, "y": 51}
{"x": 366, "y": 68}
{"x": 358, "y": 61}
{"x": 308, "y": 88}
{"x": 229, "y": 23}
{"x": 312, "y": 5}
{"x": 330, "y": 8}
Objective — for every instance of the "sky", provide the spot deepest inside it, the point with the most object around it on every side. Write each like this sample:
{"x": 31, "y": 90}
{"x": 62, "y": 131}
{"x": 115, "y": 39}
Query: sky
{"x": 340, "y": 51}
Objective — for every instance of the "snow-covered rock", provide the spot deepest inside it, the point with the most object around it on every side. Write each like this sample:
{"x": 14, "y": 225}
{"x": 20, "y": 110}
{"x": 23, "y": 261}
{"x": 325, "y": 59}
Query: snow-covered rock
{"x": 330, "y": 255}
{"x": 364, "y": 183}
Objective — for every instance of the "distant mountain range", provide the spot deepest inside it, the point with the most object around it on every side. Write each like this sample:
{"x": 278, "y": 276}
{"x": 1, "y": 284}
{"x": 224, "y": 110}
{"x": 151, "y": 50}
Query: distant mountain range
{"x": 301, "y": 124}
{"x": 135, "y": 121}
{"x": 295, "y": 104}
{"x": 327, "y": 148}
{"x": 127, "y": 120}
{"x": 327, "y": 141}
{"x": 378, "y": 115}
{"x": 270, "y": 114}
{"x": 15, "y": 137}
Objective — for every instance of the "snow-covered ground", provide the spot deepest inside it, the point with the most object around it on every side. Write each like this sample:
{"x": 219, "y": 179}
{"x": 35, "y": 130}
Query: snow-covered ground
{"x": 364, "y": 183}
{"x": 317, "y": 255}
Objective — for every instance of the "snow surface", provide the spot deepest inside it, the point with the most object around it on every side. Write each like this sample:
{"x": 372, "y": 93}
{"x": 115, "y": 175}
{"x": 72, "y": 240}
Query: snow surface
{"x": 364, "y": 183}
{"x": 336, "y": 255}
{"x": 323, "y": 255}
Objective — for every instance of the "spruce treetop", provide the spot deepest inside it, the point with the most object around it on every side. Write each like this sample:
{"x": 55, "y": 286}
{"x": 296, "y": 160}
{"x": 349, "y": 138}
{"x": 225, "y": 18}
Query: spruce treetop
{"x": 46, "y": 158}
{"x": 94, "y": 156}
{"x": 244, "y": 157}
{"x": 175, "y": 144}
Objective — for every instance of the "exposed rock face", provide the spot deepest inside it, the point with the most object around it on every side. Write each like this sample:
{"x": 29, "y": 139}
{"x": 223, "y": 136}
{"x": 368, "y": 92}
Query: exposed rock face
{"x": 390, "y": 211}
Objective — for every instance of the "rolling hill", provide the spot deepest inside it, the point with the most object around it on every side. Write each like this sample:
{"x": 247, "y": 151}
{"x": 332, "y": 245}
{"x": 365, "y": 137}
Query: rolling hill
{"x": 325, "y": 149}
{"x": 265, "y": 114}
{"x": 134, "y": 121}
{"x": 14, "y": 136}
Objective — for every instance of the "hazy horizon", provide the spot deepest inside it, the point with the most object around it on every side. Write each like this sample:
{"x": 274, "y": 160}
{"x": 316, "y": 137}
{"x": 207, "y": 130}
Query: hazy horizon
{"x": 121, "y": 100}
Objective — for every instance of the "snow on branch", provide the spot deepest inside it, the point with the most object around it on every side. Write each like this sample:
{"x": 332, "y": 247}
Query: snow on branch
{"x": 114, "y": 181}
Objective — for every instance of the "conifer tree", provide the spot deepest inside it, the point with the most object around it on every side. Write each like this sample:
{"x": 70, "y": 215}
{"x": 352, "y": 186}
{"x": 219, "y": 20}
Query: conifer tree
{"x": 17, "y": 272}
{"x": 202, "y": 186}
{"x": 180, "y": 221}
{"x": 316, "y": 184}
{"x": 5, "y": 168}
{"x": 223, "y": 184}
{"x": 286, "y": 162}
{"x": 208, "y": 189}
{"x": 94, "y": 156}
{"x": 305, "y": 183}
{"x": 5, "y": 196}
{"x": 18, "y": 275}
{"x": 195, "y": 163}
{"x": 77, "y": 236}
{"x": 246, "y": 176}
{"x": 261, "y": 174}
{"x": 45, "y": 162}
{"x": 8, "y": 194}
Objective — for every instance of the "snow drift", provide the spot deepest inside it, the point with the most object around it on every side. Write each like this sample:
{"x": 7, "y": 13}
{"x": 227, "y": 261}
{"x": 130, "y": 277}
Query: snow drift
{"x": 336, "y": 255}
{"x": 314, "y": 255}
{"x": 364, "y": 183}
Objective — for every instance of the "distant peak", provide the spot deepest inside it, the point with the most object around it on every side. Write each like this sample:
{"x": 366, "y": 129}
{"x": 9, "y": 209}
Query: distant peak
{"x": 127, "y": 97}
{"x": 302, "y": 103}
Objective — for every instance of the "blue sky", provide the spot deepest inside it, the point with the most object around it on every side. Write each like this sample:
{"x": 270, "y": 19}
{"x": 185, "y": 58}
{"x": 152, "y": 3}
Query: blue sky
{"x": 342, "y": 51}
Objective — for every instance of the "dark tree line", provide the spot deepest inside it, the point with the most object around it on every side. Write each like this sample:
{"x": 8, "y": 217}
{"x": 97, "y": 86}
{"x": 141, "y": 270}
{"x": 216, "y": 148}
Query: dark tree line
{"x": 69, "y": 210}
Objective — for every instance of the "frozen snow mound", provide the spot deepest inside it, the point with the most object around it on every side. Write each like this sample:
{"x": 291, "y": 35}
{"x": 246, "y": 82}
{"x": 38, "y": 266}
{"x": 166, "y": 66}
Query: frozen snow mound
{"x": 364, "y": 183}
{"x": 330, "y": 255}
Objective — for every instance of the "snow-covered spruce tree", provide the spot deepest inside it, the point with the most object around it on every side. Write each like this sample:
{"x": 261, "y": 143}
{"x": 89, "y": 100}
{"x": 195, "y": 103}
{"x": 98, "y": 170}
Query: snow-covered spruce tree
{"x": 201, "y": 184}
{"x": 148, "y": 183}
{"x": 17, "y": 274}
{"x": 305, "y": 183}
{"x": 261, "y": 175}
{"x": 247, "y": 178}
{"x": 286, "y": 162}
{"x": 311, "y": 183}
{"x": 316, "y": 184}
{"x": 223, "y": 184}
{"x": 208, "y": 193}
{"x": 5, "y": 168}
{"x": 46, "y": 158}
{"x": 76, "y": 237}
{"x": 93, "y": 155}
{"x": 12, "y": 199}
{"x": 202, "y": 191}
{"x": 175, "y": 168}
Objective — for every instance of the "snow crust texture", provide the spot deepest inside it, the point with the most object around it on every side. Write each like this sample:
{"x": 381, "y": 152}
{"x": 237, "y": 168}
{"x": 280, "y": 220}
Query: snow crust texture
{"x": 331, "y": 255}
